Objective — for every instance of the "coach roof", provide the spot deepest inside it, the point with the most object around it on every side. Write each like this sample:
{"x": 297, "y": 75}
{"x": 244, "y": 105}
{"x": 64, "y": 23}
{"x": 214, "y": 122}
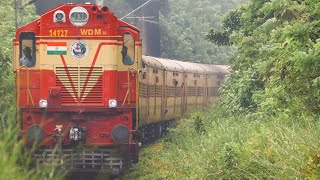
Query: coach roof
{"x": 152, "y": 62}
{"x": 170, "y": 65}
{"x": 191, "y": 67}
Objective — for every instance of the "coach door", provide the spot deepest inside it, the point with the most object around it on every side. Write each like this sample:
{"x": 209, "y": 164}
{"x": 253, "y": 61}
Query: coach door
{"x": 143, "y": 92}
{"x": 184, "y": 94}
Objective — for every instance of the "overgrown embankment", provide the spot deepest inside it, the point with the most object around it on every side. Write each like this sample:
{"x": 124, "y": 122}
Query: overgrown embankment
{"x": 216, "y": 145}
{"x": 274, "y": 84}
{"x": 15, "y": 161}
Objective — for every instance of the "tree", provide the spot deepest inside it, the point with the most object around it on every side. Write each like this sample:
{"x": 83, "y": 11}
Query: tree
{"x": 183, "y": 33}
{"x": 7, "y": 33}
{"x": 276, "y": 66}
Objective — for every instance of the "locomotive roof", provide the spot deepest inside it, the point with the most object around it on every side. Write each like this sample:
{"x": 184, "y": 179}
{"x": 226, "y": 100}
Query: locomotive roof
{"x": 106, "y": 21}
{"x": 188, "y": 67}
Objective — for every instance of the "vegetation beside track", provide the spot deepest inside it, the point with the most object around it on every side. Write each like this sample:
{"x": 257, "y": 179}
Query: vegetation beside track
{"x": 273, "y": 95}
{"x": 218, "y": 145}
{"x": 14, "y": 160}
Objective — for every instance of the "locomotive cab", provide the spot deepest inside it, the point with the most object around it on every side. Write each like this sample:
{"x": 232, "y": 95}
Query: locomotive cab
{"x": 76, "y": 80}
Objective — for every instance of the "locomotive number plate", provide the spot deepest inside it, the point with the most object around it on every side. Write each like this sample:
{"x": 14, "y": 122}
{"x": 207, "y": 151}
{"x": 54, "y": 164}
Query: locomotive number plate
{"x": 58, "y": 32}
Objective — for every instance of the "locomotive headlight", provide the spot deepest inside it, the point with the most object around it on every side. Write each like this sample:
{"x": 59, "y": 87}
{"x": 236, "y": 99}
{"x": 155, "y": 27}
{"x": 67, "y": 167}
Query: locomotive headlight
{"x": 43, "y": 103}
{"x": 79, "y": 16}
{"x": 112, "y": 103}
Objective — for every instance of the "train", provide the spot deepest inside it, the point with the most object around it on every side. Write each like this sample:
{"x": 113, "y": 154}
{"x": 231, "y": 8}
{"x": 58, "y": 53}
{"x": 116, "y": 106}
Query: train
{"x": 87, "y": 97}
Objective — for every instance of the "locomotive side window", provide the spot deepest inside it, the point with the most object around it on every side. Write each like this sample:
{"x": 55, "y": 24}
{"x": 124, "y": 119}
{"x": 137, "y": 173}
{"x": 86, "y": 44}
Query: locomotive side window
{"x": 27, "y": 49}
{"x": 128, "y": 49}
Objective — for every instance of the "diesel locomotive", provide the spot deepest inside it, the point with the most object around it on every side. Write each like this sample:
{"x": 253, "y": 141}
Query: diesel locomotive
{"x": 86, "y": 94}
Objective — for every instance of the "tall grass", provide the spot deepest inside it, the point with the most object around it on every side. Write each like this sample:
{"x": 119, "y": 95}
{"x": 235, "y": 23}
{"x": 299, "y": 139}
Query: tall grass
{"x": 215, "y": 145}
{"x": 15, "y": 159}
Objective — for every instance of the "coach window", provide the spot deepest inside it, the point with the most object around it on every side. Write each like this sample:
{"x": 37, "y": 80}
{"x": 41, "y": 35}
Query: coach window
{"x": 27, "y": 49}
{"x": 128, "y": 49}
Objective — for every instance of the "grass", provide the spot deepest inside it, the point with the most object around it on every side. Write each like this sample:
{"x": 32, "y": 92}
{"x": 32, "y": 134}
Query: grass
{"x": 215, "y": 145}
{"x": 15, "y": 160}
{"x": 207, "y": 145}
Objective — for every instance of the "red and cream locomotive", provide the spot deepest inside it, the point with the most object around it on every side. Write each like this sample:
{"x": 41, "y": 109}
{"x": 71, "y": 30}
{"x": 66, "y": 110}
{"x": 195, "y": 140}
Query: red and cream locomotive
{"x": 85, "y": 93}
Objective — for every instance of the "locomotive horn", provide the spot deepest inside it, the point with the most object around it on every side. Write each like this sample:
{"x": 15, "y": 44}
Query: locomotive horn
{"x": 104, "y": 9}
{"x": 94, "y": 9}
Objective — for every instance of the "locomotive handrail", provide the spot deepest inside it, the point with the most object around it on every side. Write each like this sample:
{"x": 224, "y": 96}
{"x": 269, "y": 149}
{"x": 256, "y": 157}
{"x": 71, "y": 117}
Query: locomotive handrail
{"x": 127, "y": 96}
{"x": 29, "y": 95}
{"x": 18, "y": 96}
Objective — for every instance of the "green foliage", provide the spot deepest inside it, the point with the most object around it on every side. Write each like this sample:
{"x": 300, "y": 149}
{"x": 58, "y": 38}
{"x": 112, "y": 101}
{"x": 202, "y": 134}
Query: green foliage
{"x": 183, "y": 30}
{"x": 276, "y": 66}
{"x": 221, "y": 38}
{"x": 15, "y": 160}
{"x": 7, "y": 33}
{"x": 231, "y": 22}
{"x": 199, "y": 123}
{"x": 244, "y": 147}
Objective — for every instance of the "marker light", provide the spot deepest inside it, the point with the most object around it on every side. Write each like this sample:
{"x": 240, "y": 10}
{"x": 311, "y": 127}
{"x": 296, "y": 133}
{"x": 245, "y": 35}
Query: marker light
{"x": 43, "y": 103}
{"x": 112, "y": 103}
{"x": 59, "y": 16}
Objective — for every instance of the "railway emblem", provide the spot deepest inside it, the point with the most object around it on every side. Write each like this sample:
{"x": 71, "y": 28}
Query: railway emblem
{"x": 79, "y": 49}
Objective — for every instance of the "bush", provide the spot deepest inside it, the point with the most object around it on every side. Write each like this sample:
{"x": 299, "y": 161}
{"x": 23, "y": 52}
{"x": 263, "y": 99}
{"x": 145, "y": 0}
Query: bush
{"x": 243, "y": 147}
{"x": 15, "y": 160}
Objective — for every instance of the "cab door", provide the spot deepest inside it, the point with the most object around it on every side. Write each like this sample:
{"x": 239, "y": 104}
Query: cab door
{"x": 128, "y": 61}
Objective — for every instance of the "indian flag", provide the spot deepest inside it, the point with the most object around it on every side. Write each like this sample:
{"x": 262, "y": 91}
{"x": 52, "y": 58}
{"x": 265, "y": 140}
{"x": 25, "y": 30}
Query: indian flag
{"x": 57, "y": 48}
